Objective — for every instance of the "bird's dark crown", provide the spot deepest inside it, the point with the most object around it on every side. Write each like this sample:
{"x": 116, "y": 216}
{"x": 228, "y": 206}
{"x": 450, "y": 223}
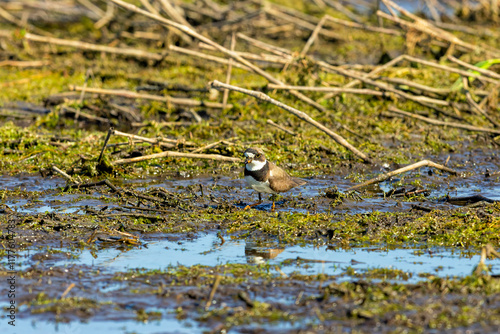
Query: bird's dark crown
{"x": 255, "y": 154}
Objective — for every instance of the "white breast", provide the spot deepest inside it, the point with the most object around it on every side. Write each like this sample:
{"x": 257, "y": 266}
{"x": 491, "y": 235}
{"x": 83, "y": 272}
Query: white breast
{"x": 255, "y": 165}
{"x": 261, "y": 187}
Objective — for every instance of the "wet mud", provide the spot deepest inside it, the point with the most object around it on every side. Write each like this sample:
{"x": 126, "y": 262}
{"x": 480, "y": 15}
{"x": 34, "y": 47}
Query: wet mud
{"x": 324, "y": 261}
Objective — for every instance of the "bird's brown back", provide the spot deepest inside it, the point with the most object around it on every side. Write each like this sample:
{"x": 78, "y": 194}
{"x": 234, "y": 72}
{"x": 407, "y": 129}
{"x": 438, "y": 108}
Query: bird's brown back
{"x": 281, "y": 181}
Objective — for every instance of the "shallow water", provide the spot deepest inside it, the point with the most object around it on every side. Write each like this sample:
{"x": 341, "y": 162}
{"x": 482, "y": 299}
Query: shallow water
{"x": 309, "y": 260}
{"x": 167, "y": 325}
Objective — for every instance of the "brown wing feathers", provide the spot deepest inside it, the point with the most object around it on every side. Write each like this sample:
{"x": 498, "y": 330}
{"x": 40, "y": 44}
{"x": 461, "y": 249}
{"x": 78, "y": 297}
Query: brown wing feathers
{"x": 281, "y": 181}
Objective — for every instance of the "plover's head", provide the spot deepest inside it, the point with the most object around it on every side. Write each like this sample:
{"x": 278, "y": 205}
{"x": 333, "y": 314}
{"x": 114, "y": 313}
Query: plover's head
{"x": 254, "y": 158}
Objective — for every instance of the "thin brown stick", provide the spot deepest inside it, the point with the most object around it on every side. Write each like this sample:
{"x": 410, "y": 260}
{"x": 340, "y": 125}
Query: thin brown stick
{"x": 449, "y": 124}
{"x": 265, "y": 46}
{"x": 110, "y": 132}
{"x": 206, "y": 147}
{"x": 217, "y": 280}
{"x": 205, "y": 56}
{"x": 424, "y": 88}
{"x": 424, "y": 100}
{"x": 303, "y": 116}
{"x": 94, "y": 47}
{"x": 229, "y": 69}
{"x": 134, "y": 95}
{"x": 361, "y": 91}
{"x": 20, "y": 23}
{"x": 363, "y": 26}
{"x": 68, "y": 289}
{"x": 282, "y": 128}
{"x": 483, "y": 71}
{"x": 110, "y": 13}
{"x": 427, "y": 28}
{"x": 23, "y": 64}
{"x": 63, "y": 174}
{"x": 313, "y": 37}
{"x": 153, "y": 140}
{"x": 219, "y": 47}
{"x": 341, "y": 8}
{"x": 301, "y": 23}
{"x": 89, "y": 5}
{"x": 149, "y": 7}
{"x": 474, "y": 105}
{"x": 383, "y": 177}
{"x": 173, "y": 13}
{"x": 368, "y": 75}
{"x": 262, "y": 57}
{"x": 165, "y": 154}
{"x": 448, "y": 68}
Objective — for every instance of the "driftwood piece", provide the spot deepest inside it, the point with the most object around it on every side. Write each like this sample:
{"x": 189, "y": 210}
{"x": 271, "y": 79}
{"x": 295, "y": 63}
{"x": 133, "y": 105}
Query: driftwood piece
{"x": 383, "y": 177}
{"x": 176, "y": 155}
{"x": 303, "y": 116}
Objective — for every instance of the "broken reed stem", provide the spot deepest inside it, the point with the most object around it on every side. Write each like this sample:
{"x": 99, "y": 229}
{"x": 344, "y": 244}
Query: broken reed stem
{"x": 303, "y": 116}
{"x": 424, "y": 88}
{"x": 427, "y": 28}
{"x": 313, "y": 37}
{"x": 483, "y": 71}
{"x": 187, "y": 30}
{"x": 449, "y": 69}
{"x": 206, "y": 147}
{"x": 474, "y": 105}
{"x": 63, "y": 174}
{"x": 110, "y": 132}
{"x": 301, "y": 23}
{"x": 309, "y": 42}
{"x": 165, "y": 154}
{"x": 23, "y": 64}
{"x": 136, "y": 53}
{"x": 68, "y": 289}
{"x": 217, "y": 280}
{"x": 153, "y": 140}
{"x": 363, "y": 26}
{"x": 282, "y": 128}
{"x": 424, "y": 100}
{"x": 386, "y": 176}
{"x": 362, "y": 91}
{"x": 437, "y": 122}
{"x": 205, "y": 56}
{"x": 282, "y": 52}
{"x": 229, "y": 69}
{"x": 134, "y": 95}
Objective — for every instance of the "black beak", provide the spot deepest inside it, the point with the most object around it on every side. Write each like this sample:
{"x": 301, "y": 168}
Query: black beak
{"x": 248, "y": 160}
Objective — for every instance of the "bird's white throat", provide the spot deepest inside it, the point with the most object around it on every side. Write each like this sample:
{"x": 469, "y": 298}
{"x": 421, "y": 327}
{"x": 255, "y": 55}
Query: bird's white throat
{"x": 255, "y": 165}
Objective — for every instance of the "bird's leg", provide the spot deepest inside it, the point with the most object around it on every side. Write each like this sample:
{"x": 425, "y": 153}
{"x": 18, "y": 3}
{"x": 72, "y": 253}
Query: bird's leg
{"x": 254, "y": 204}
{"x": 272, "y": 208}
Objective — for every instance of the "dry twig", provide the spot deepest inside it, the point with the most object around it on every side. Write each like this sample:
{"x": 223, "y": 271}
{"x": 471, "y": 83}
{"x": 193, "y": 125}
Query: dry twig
{"x": 176, "y": 155}
{"x": 383, "y": 177}
{"x": 438, "y": 122}
{"x": 303, "y": 116}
